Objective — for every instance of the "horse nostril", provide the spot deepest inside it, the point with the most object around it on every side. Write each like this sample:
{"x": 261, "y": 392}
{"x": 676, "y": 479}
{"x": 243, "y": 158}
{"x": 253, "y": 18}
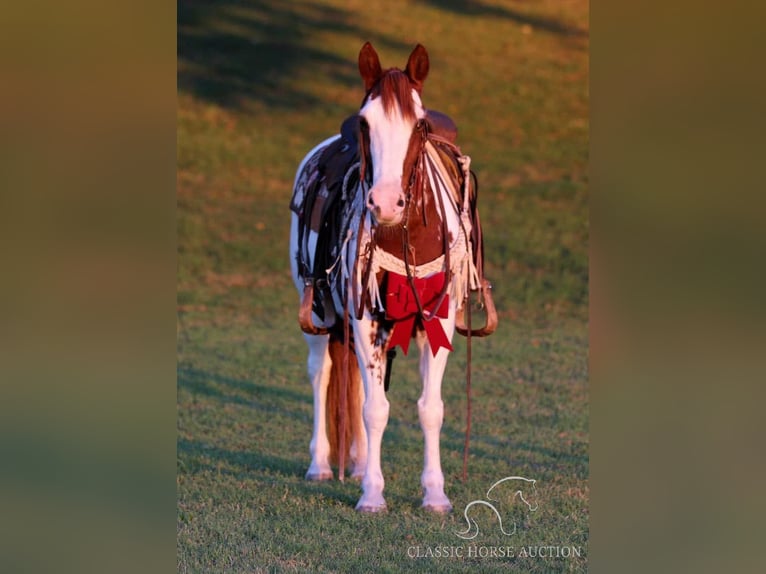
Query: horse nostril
{"x": 400, "y": 203}
{"x": 370, "y": 201}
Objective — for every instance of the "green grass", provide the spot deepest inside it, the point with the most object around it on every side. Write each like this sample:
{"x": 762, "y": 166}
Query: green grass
{"x": 259, "y": 84}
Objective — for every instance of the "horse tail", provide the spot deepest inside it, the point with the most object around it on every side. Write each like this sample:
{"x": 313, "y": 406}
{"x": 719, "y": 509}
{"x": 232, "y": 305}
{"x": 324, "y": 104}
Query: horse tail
{"x": 353, "y": 402}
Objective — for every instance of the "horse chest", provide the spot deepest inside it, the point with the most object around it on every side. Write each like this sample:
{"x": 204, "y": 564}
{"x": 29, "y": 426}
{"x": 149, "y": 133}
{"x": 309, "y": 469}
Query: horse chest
{"x": 420, "y": 245}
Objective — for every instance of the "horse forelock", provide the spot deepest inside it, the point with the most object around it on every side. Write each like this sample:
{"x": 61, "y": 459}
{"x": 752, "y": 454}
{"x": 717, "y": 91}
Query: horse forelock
{"x": 395, "y": 90}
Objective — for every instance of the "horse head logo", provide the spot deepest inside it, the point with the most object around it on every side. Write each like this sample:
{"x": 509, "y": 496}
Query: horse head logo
{"x": 525, "y": 491}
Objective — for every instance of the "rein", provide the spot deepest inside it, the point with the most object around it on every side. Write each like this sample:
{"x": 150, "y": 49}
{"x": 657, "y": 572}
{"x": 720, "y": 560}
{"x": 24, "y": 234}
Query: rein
{"x": 418, "y": 175}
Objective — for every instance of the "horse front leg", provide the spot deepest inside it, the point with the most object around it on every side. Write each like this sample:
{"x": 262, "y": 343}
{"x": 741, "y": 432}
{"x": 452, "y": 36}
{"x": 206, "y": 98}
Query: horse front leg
{"x": 374, "y": 412}
{"x": 431, "y": 414}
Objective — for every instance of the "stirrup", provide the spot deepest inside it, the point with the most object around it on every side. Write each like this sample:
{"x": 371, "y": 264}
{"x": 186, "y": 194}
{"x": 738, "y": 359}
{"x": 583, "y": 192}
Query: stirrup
{"x": 306, "y": 310}
{"x": 489, "y": 304}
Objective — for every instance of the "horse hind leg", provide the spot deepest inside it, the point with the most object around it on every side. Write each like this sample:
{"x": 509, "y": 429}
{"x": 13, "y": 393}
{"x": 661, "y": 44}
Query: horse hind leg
{"x": 319, "y": 366}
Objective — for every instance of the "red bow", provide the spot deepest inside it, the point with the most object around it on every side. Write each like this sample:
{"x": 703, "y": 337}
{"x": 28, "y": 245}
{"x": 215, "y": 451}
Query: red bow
{"x": 402, "y": 308}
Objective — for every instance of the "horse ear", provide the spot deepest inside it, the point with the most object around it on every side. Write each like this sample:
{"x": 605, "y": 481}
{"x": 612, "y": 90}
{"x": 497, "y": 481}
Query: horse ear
{"x": 417, "y": 67}
{"x": 369, "y": 66}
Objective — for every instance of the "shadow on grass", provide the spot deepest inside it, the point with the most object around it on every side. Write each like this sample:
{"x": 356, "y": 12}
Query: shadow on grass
{"x": 197, "y": 456}
{"x": 265, "y": 398}
{"x": 478, "y": 8}
{"x": 507, "y": 454}
{"x": 230, "y": 51}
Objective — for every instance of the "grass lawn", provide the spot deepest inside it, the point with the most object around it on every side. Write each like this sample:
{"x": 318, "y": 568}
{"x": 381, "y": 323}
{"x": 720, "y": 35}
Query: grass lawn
{"x": 259, "y": 84}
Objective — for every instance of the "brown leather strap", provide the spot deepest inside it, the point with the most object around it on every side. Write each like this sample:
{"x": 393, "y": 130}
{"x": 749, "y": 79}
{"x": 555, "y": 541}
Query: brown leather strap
{"x": 468, "y": 361}
{"x": 344, "y": 390}
{"x": 445, "y": 238}
{"x": 306, "y": 310}
{"x": 359, "y": 300}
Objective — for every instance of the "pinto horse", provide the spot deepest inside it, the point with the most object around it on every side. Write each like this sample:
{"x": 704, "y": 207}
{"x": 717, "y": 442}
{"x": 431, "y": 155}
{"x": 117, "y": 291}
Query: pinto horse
{"x": 385, "y": 246}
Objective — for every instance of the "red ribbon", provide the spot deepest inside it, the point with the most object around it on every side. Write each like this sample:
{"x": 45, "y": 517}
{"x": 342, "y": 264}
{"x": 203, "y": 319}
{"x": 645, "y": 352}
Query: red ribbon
{"x": 402, "y": 308}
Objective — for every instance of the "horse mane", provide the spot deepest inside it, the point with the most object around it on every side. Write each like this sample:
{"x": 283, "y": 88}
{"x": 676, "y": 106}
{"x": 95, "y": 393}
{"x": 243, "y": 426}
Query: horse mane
{"x": 395, "y": 87}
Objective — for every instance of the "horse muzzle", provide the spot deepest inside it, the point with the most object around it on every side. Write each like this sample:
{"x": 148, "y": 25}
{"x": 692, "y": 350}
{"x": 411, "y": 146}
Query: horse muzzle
{"x": 386, "y": 203}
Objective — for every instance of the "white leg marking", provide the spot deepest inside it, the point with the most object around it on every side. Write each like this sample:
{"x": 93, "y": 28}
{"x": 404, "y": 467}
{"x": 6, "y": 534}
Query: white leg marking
{"x": 319, "y": 374}
{"x": 431, "y": 414}
{"x": 375, "y": 414}
{"x": 359, "y": 444}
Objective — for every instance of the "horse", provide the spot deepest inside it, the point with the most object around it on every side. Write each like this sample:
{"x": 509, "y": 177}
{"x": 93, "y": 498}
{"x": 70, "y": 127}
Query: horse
{"x": 526, "y": 492}
{"x": 385, "y": 246}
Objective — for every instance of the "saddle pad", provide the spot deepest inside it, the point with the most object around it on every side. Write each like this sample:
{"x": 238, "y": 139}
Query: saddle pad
{"x": 306, "y": 182}
{"x": 316, "y": 217}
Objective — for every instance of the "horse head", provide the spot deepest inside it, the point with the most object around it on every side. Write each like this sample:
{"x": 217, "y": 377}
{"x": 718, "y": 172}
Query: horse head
{"x": 388, "y": 116}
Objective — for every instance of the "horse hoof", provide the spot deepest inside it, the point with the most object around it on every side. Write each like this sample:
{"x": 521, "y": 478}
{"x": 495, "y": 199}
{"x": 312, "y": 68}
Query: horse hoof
{"x": 319, "y": 476}
{"x": 438, "y": 508}
{"x": 372, "y": 509}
